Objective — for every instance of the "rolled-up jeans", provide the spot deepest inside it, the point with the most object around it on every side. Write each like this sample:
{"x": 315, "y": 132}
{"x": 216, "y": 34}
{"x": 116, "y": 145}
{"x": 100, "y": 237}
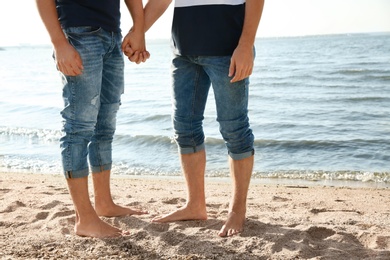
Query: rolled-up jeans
{"x": 192, "y": 78}
{"x": 91, "y": 101}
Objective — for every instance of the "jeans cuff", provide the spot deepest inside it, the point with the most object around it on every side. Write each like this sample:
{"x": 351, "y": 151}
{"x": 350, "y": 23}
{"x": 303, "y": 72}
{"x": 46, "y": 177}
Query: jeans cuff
{"x": 193, "y": 149}
{"x": 101, "y": 168}
{"x": 76, "y": 174}
{"x": 240, "y": 156}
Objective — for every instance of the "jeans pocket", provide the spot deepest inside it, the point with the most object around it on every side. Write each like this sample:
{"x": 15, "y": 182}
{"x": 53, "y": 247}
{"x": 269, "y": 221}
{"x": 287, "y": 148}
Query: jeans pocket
{"x": 83, "y": 37}
{"x": 82, "y": 30}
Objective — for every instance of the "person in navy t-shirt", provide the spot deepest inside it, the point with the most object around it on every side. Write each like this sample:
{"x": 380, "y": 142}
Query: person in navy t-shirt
{"x": 87, "y": 42}
{"x": 213, "y": 43}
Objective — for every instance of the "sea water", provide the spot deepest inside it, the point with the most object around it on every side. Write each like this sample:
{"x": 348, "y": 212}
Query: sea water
{"x": 319, "y": 109}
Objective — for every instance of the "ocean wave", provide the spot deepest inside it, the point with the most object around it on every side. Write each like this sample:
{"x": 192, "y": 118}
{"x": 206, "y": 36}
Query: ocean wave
{"x": 142, "y": 139}
{"x": 42, "y": 134}
{"x": 360, "y": 71}
{"x": 362, "y": 176}
{"x": 31, "y": 165}
{"x": 139, "y": 140}
{"x": 319, "y": 144}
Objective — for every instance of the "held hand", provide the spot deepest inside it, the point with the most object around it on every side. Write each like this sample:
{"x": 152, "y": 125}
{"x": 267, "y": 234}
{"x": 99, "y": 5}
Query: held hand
{"x": 135, "y": 56}
{"x": 133, "y": 46}
{"x": 241, "y": 64}
{"x": 68, "y": 60}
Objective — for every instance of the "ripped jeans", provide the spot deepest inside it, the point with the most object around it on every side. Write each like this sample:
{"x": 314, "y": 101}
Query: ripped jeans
{"x": 91, "y": 101}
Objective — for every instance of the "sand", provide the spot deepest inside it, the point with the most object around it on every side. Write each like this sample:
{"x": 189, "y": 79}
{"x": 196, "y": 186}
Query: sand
{"x": 283, "y": 222}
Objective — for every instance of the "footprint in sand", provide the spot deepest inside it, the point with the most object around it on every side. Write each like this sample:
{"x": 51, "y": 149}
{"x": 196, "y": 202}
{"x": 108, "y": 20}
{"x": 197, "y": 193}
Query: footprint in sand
{"x": 134, "y": 203}
{"x": 214, "y": 205}
{"x": 213, "y": 211}
{"x": 279, "y": 199}
{"x": 4, "y": 191}
{"x": 173, "y": 238}
{"x": 41, "y": 216}
{"x": 383, "y": 242}
{"x": 62, "y": 213}
{"x": 68, "y": 221}
{"x": 65, "y": 231}
{"x": 370, "y": 240}
{"x": 13, "y": 207}
{"x": 140, "y": 235}
{"x": 158, "y": 227}
{"x": 51, "y": 205}
{"x": 320, "y": 232}
{"x": 173, "y": 200}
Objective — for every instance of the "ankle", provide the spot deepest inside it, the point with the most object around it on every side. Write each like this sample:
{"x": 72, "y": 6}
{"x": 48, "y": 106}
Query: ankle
{"x": 240, "y": 211}
{"x": 103, "y": 203}
{"x": 195, "y": 206}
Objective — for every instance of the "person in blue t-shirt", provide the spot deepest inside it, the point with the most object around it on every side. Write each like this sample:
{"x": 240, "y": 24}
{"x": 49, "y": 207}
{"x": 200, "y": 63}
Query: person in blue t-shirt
{"x": 87, "y": 42}
{"x": 213, "y": 42}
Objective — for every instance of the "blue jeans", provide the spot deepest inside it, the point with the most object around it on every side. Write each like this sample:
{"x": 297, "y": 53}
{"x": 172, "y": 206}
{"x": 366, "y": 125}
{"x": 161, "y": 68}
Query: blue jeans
{"x": 192, "y": 78}
{"x": 91, "y": 101}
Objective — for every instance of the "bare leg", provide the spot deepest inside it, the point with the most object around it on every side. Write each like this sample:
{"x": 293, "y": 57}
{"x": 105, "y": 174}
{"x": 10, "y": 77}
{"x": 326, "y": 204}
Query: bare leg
{"x": 193, "y": 166}
{"x": 88, "y": 222}
{"x": 104, "y": 205}
{"x": 241, "y": 172}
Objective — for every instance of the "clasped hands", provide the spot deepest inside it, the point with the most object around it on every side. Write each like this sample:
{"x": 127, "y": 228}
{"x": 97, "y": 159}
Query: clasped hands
{"x": 134, "y": 47}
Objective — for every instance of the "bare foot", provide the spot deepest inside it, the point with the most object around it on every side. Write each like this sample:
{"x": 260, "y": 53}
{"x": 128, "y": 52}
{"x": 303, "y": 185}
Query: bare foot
{"x": 114, "y": 210}
{"x": 184, "y": 213}
{"x": 233, "y": 225}
{"x": 99, "y": 229}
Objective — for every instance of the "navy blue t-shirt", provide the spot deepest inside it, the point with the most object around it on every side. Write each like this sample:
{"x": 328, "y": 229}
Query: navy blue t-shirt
{"x": 207, "y": 27}
{"x": 99, "y": 13}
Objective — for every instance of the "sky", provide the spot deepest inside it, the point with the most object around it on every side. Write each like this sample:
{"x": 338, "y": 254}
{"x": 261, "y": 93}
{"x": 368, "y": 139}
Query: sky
{"x": 20, "y": 23}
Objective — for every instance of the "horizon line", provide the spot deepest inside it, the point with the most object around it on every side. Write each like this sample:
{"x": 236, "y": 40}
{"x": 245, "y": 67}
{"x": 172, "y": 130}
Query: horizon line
{"x": 258, "y": 37}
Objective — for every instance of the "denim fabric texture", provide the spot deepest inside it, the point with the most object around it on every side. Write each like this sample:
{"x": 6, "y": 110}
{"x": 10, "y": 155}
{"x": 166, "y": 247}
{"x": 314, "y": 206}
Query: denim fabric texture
{"x": 91, "y": 101}
{"x": 192, "y": 78}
